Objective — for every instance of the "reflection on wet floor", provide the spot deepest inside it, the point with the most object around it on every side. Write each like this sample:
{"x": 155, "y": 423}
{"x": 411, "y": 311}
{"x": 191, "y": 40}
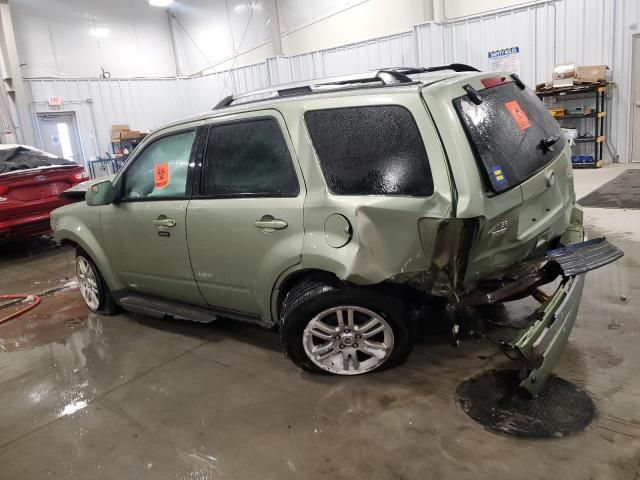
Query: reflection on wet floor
{"x": 116, "y": 397}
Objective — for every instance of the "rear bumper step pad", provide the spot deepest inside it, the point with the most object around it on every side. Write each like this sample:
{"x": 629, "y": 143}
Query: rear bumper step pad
{"x": 582, "y": 257}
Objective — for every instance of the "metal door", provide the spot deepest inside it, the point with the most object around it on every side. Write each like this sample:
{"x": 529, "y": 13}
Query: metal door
{"x": 144, "y": 233}
{"x": 239, "y": 243}
{"x": 59, "y": 135}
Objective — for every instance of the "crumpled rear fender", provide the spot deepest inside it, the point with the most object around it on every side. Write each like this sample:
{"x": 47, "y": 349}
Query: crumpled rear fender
{"x": 399, "y": 240}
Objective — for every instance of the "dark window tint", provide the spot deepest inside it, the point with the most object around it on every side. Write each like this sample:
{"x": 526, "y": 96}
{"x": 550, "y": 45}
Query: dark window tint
{"x": 249, "y": 158}
{"x": 506, "y": 130}
{"x": 373, "y": 150}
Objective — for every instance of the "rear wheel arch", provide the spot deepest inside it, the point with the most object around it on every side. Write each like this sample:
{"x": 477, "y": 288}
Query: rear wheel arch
{"x": 296, "y": 278}
{"x": 310, "y": 301}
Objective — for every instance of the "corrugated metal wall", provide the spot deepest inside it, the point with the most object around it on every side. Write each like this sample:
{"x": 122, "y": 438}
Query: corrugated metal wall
{"x": 393, "y": 50}
{"x": 587, "y": 32}
{"x": 143, "y": 104}
{"x": 549, "y": 32}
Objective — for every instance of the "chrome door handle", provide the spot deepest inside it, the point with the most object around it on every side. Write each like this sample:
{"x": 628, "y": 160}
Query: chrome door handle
{"x": 268, "y": 223}
{"x": 164, "y": 222}
{"x": 637, "y": 104}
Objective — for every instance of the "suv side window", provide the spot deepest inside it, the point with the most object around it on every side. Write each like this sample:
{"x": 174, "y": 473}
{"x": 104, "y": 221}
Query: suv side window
{"x": 249, "y": 158}
{"x": 160, "y": 170}
{"x": 370, "y": 150}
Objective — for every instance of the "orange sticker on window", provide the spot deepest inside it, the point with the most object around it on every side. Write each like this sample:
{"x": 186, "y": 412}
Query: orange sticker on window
{"x": 518, "y": 114}
{"x": 161, "y": 175}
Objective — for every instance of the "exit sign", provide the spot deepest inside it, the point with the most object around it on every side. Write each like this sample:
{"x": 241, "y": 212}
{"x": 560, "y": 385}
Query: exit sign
{"x": 55, "y": 101}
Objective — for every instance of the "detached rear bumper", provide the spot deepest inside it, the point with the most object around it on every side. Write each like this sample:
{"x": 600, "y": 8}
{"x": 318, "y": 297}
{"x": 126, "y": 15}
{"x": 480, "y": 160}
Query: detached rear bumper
{"x": 541, "y": 344}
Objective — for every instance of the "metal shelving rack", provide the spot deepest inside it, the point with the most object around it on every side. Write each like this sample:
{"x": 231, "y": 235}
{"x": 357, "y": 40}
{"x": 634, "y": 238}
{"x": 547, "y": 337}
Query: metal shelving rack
{"x": 599, "y": 115}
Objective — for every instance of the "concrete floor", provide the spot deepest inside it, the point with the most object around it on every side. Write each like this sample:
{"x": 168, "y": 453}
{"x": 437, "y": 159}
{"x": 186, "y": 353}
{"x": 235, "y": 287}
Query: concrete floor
{"x": 85, "y": 396}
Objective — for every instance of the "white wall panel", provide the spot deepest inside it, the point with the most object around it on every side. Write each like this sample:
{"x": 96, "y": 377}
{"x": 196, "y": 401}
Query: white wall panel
{"x": 429, "y": 39}
{"x": 587, "y": 32}
{"x": 584, "y": 31}
{"x": 464, "y": 8}
{"x": 470, "y": 40}
{"x": 390, "y": 51}
{"x": 143, "y": 104}
{"x": 358, "y": 21}
{"x": 393, "y": 50}
{"x": 210, "y": 33}
{"x": 75, "y": 38}
{"x": 297, "y": 13}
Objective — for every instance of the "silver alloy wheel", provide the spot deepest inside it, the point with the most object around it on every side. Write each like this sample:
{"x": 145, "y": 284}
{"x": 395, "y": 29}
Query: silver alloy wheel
{"x": 348, "y": 340}
{"x": 88, "y": 283}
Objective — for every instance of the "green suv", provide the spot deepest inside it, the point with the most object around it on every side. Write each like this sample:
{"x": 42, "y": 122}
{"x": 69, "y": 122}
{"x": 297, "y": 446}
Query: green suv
{"x": 333, "y": 210}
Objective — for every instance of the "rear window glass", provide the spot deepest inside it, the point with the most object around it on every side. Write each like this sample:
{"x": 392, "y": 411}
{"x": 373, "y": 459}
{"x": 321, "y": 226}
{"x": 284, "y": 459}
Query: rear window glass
{"x": 24, "y": 158}
{"x": 506, "y": 130}
{"x": 372, "y": 150}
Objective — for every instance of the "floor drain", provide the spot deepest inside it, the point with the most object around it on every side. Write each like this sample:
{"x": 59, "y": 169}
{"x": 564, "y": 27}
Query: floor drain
{"x": 494, "y": 400}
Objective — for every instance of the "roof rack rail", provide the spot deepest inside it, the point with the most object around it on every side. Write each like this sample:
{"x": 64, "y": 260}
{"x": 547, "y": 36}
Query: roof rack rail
{"x": 456, "y": 67}
{"x": 385, "y": 76}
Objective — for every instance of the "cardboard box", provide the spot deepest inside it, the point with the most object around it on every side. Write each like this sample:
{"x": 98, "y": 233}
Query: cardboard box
{"x": 556, "y": 111}
{"x": 564, "y": 70}
{"x": 591, "y": 73}
{"x": 122, "y": 132}
{"x": 116, "y": 131}
{"x": 564, "y": 74}
{"x": 130, "y": 134}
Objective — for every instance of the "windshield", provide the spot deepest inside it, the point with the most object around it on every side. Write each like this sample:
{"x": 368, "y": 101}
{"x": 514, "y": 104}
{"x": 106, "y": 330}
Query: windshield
{"x": 512, "y": 133}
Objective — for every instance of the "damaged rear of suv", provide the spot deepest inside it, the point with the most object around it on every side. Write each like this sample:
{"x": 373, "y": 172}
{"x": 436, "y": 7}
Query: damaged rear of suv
{"x": 332, "y": 210}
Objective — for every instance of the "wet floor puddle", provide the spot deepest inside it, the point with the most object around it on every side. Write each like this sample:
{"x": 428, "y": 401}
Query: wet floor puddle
{"x": 57, "y": 316}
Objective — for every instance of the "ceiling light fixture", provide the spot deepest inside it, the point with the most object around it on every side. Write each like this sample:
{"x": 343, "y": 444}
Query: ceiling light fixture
{"x": 160, "y": 3}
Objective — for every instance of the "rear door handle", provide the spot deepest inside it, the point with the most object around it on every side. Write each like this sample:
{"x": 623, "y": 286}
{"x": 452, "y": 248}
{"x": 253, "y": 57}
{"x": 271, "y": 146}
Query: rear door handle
{"x": 164, "y": 222}
{"x": 269, "y": 224}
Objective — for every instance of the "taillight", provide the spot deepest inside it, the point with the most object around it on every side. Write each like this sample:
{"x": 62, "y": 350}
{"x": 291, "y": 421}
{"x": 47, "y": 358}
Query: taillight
{"x": 82, "y": 176}
{"x": 3, "y": 190}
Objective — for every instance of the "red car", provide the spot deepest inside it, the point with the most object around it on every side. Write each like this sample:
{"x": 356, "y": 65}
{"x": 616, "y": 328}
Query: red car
{"x": 30, "y": 184}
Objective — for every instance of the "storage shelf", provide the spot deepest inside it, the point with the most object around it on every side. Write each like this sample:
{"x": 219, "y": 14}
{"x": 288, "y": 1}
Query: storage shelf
{"x": 574, "y": 115}
{"x": 572, "y": 91}
{"x": 599, "y": 139}
{"x": 571, "y": 116}
{"x": 598, "y": 114}
{"x": 598, "y": 164}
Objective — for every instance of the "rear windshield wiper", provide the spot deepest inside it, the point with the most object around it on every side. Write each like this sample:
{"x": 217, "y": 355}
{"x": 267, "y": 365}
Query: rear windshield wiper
{"x": 546, "y": 144}
{"x": 472, "y": 94}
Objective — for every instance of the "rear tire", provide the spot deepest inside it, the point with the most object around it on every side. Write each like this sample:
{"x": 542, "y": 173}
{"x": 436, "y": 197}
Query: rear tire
{"x": 344, "y": 330}
{"x": 94, "y": 290}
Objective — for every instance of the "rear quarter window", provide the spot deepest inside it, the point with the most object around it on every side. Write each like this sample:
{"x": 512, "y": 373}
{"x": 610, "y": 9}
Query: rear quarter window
{"x": 505, "y": 131}
{"x": 370, "y": 150}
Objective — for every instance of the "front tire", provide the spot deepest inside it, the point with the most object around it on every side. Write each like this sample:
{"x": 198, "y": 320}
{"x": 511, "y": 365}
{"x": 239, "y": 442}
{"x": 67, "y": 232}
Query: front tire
{"x": 344, "y": 330}
{"x": 93, "y": 289}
